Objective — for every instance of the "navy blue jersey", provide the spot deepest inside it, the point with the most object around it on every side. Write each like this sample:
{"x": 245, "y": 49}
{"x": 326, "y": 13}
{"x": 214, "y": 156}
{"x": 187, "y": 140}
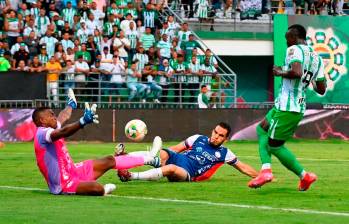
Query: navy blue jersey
{"x": 204, "y": 156}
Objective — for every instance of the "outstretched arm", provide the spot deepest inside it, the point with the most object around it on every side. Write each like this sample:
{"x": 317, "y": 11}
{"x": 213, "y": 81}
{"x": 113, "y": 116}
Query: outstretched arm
{"x": 319, "y": 86}
{"x": 65, "y": 114}
{"x": 245, "y": 169}
{"x": 179, "y": 148}
{"x": 90, "y": 116}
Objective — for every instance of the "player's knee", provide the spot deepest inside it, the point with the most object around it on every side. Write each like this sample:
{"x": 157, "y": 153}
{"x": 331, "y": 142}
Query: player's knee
{"x": 163, "y": 155}
{"x": 110, "y": 160}
{"x": 172, "y": 169}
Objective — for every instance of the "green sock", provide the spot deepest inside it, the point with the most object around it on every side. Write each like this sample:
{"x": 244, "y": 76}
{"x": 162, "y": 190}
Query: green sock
{"x": 264, "y": 152}
{"x": 287, "y": 159}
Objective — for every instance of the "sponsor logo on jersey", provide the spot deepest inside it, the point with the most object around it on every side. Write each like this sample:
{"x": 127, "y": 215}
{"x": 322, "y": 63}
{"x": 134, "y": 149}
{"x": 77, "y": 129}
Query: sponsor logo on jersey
{"x": 332, "y": 50}
{"x": 217, "y": 154}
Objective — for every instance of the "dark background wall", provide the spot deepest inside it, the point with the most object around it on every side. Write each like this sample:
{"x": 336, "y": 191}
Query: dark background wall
{"x": 255, "y": 84}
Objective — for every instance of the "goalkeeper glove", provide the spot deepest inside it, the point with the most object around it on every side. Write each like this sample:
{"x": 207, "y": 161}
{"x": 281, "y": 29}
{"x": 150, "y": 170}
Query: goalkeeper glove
{"x": 89, "y": 115}
{"x": 71, "y": 99}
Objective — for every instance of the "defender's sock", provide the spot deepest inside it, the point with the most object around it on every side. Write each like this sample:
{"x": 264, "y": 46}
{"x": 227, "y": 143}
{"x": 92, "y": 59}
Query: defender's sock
{"x": 153, "y": 174}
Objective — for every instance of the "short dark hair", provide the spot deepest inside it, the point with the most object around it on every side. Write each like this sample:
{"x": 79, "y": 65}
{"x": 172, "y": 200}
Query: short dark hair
{"x": 226, "y": 126}
{"x": 36, "y": 114}
{"x": 300, "y": 30}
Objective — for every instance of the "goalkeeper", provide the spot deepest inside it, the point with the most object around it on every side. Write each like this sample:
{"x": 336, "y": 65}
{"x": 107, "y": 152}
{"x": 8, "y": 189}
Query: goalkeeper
{"x": 55, "y": 163}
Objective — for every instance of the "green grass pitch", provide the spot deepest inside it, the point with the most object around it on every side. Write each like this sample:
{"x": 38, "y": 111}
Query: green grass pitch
{"x": 226, "y": 193}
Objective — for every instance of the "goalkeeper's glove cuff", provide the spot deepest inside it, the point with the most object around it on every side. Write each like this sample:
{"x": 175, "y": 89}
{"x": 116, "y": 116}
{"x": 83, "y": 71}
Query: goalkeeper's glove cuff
{"x": 82, "y": 122}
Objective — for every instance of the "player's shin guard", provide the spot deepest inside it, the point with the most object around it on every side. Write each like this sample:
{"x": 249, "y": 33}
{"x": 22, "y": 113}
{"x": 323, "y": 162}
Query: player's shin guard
{"x": 264, "y": 152}
{"x": 128, "y": 161}
{"x": 287, "y": 159}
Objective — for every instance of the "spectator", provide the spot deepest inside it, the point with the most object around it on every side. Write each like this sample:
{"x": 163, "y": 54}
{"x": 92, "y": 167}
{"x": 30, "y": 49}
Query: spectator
{"x": 97, "y": 40}
{"x": 43, "y": 57}
{"x": 183, "y": 34}
{"x": 150, "y": 16}
{"x": 162, "y": 79}
{"x": 84, "y": 53}
{"x": 22, "y": 66}
{"x": 166, "y": 30}
{"x": 140, "y": 28}
{"x": 36, "y": 65}
{"x": 17, "y": 46}
{"x": 125, "y": 24}
{"x": 66, "y": 42}
{"x": 13, "y": 27}
{"x": 164, "y": 48}
{"x": 108, "y": 26}
{"x": 50, "y": 43}
{"x": 33, "y": 44}
{"x": 142, "y": 59}
{"x": 82, "y": 69}
{"x": 42, "y": 22}
{"x": 132, "y": 36}
{"x": 70, "y": 55}
{"x": 172, "y": 24}
{"x": 84, "y": 11}
{"x": 98, "y": 14}
{"x": 189, "y": 45}
{"x": 153, "y": 56}
{"x": 29, "y": 27}
{"x": 106, "y": 56}
{"x": 149, "y": 73}
{"x": 68, "y": 14}
{"x": 117, "y": 80}
{"x": 179, "y": 70}
{"x": 60, "y": 55}
{"x": 91, "y": 23}
{"x": 209, "y": 56}
{"x": 123, "y": 45}
{"x": 4, "y": 63}
{"x": 130, "y": 9}
{"x": 53, "y": 71}
{"x": 106, "y": 42}
{"x": 83, "y": 32}
{"x": 203, "y": 9}
{"x": 194, "y": 69}
{"x": 69, "y": 71}
{"x": 20, "y": 55}
{"x": 133, "y": 84}
{"x": 67, "y": 29}
{"x": 203, "y": 99}
{"x": 147, "y": 39}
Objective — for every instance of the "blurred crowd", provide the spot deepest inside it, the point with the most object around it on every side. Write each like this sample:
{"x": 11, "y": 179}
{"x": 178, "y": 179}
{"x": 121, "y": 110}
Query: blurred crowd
{"x": 127, "y": 44}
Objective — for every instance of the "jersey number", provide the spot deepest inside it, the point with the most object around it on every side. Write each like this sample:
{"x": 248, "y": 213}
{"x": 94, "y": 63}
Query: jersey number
{"x": 307, "y": 78}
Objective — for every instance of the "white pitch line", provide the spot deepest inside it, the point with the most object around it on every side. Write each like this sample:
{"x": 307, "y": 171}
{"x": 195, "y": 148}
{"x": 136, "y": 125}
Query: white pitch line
{"x": 257, "y": 207}
{"x": 305, "y": 159}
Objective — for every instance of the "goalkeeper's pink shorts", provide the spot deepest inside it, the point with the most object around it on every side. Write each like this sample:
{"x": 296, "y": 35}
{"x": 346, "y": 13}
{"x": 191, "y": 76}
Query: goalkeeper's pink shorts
{"x": 83, "y": 173}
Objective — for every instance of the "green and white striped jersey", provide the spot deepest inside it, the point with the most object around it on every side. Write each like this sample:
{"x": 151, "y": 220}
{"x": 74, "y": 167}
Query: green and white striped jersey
{"x": 292, "y": 92}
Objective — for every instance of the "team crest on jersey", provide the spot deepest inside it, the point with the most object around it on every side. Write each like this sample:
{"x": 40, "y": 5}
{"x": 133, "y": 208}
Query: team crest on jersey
{"x": 199, "y": 149}
{"x": 290, "y": 52}
{"x": 332, "y": 51}
{"x": 218, "y": 154}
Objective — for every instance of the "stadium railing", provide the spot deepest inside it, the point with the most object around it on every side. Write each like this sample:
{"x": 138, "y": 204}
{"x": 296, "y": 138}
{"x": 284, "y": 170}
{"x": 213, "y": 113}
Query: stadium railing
{"x": 101, "y": 92}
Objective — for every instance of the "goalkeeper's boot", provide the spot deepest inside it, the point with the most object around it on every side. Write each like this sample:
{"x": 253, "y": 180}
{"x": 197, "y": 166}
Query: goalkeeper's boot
{"x": 124, "y": 175}
{"x": 157, "y": 145}
{"x": 307, "y": 180}
{"x": 120, "y": 149}
{"x": 263, "y": 177}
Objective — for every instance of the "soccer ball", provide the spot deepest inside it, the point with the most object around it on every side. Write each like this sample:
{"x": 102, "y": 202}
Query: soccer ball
{"x": 136, "y": 130}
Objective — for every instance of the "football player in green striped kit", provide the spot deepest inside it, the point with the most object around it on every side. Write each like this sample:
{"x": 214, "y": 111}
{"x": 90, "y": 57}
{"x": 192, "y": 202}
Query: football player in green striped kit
{"x": 302, "y": 67}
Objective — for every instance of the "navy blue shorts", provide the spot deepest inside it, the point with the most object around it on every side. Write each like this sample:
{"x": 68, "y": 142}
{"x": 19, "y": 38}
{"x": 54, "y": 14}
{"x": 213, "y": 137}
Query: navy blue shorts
{"x": 182, "y": 161}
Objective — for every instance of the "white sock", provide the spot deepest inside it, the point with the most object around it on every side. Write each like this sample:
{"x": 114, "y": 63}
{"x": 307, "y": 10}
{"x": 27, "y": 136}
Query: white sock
{"x": 108, "y": 188}
{"x": 145, "y": 154}
{"x": 302, "y": 174}
{"x": 153, "y": 174}
{"x": 266, "y": 166}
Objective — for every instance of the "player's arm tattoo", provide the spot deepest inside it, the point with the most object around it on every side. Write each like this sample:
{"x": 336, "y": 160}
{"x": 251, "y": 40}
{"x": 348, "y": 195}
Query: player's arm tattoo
{"x": 65, "y": 115}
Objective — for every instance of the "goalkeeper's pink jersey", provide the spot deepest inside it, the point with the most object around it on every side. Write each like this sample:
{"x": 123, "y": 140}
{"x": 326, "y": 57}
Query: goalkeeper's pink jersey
{"x": 53, "y": 160}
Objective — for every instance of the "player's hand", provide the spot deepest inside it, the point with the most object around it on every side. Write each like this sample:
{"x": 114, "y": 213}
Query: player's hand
{"x": 90, "y": 115}
{"x": 71, "y": 99}
{"x": 277, "y": 70}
